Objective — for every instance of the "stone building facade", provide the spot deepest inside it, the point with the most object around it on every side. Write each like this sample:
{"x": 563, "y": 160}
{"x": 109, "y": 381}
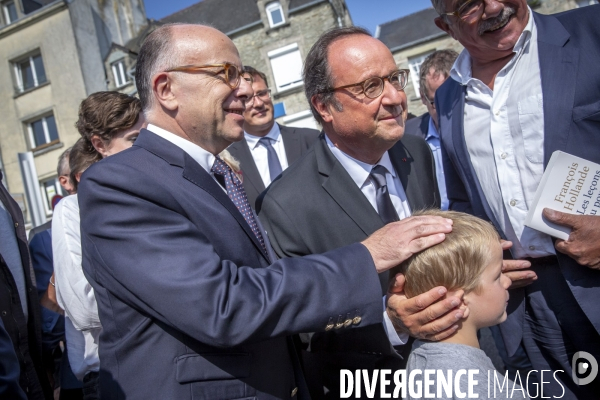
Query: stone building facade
{"x": 413, "y": 37}
{"x": 51, "y": 57}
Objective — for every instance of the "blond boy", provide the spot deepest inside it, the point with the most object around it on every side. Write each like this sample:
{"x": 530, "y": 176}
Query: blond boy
{"x": 469, "y": 259}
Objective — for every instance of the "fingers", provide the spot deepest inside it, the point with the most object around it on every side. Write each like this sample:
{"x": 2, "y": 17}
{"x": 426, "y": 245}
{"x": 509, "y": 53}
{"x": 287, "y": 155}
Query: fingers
{"x": 559, "y": 218}
{"x": 441, "y": 320}
{"x": 396, "y": 285}
{"x": 514, "y": 265}
{"x": 505, "y": 244}
{"x": 521, "y": 278}
{"x": 424, "y": 300}
{"x": 423, "y": 243}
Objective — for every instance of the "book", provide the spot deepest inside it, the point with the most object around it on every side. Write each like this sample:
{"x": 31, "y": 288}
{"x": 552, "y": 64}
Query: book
{"x": 571, "y": 185}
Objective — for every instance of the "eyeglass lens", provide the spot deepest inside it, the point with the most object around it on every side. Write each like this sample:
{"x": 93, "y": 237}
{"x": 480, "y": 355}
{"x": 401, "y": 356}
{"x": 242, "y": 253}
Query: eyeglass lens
{"x": 469, "y": 8}
{"x": 374, "y": 87}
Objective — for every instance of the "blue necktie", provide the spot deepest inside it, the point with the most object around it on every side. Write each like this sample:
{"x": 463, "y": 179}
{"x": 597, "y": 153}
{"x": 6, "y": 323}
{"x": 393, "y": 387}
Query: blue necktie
{"x": 274, "y": 164}
{"x": 385, "y": 207}
{"x": 237, "y": 194}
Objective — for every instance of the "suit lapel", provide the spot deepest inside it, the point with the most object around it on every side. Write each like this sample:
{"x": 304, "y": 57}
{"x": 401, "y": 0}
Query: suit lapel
{"x": 290, "y": 143}
{"x": 403, "y": 161}
{"x": 557, "y": 59}
{"x": 241, "y": 151}
{"x": 342, "y": 189}
{"x": 193, "y": 172}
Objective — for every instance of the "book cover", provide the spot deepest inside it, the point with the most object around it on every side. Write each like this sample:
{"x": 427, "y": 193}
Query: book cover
{"x": 571, "y": 185}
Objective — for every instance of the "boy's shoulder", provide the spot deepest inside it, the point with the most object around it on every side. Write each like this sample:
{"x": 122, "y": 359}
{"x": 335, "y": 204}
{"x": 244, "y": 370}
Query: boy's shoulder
{"x": 451, "y": 356}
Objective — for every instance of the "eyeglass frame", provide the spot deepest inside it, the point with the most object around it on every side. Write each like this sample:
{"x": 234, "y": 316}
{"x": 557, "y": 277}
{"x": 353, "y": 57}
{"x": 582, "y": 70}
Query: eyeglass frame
{"x": 432, "y": 102}
{"x": 382, "y": 78}
{"x": 226, "y": 66}
{"x": 266, "y": 91}
{"x": 456, "y": 12}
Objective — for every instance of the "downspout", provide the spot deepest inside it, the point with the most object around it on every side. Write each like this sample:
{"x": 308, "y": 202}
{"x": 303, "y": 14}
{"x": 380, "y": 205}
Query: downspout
{"x": 339, "y": 18}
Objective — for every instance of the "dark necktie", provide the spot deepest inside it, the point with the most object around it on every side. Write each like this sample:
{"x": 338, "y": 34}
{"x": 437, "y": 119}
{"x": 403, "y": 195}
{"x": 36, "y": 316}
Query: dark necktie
{"x": 386, "y": 209}
{"x": 237, "y": 194}
{"x": 274, "y": 164}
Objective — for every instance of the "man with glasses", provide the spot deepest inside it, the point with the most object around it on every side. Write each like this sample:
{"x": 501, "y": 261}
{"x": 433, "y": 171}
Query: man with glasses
{"x": 267, "y": 148}
{"x": 525, "y": 86}
{"x": 192, "y": 300}
{"x": 361, "y": 174}
{"x": 434, "y": 71}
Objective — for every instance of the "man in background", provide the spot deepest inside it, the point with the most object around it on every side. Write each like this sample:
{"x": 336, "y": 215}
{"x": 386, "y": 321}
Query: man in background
{"x": 434, "y": 71}
{"x": 268, "y": 148}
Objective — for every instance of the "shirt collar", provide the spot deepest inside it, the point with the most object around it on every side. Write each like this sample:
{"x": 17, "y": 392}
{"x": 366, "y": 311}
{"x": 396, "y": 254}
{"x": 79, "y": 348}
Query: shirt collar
{"x": 461, "y": 70}
{"x": 359, "y": 171}
{"x": 201, "y": 156}
{"x": 274, "y": 134}
{"x": 432, "y": 130}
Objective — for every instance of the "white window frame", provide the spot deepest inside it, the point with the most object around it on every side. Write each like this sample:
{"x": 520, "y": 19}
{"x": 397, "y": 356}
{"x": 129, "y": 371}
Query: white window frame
{"x": 293, "y": 120}
{"x": 414, "y": 64}
{"x": 46, "y": 131}
{"x": 119, "y": 73}
{"x": 283, "y": 51}
{"x": 583, "y": 3}
{"x": 270, "y": 8}
{"x": 6, "y": 13}
{"x": 57, "y": 188}
{"x": 19, "y": 72}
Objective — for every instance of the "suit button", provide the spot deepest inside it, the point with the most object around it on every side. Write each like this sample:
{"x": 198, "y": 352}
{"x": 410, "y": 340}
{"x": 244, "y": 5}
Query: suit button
{"x": 356, "y": 320}
{"x": 16, "y": 224}
{"x": 295, "y": 391}
{"x": 347, "y": 322}
{"x": 329, "y": 327}
{"x": 4, "y": 313}
{"x": 339, "y": 325}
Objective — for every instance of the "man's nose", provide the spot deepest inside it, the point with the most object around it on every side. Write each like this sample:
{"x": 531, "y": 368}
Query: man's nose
{"x": 245, "y": 90}
{"x": 492, "y": 8}
{"x": 391, "y": 96}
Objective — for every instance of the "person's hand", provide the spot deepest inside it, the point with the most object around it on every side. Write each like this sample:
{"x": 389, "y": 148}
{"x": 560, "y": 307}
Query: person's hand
{"x": 430, "y": 316}
{"x": 397, "y": 241}
{"x": 517, "y": 270}
{"x": 583, "y": 244}
{"x": 48, "y": 300}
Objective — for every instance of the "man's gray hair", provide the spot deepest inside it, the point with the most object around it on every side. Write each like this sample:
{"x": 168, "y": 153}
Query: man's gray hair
{"x": 156, "y": 54}
{"x": 317, "y": 73}
{"x": 438, "y": 5}
{"x": 441, "y": 61}
{"x": 63, "y": 163}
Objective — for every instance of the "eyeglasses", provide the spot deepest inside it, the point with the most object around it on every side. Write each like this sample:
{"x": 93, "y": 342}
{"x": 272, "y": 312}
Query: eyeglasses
{"x": 264, "y": 95}
{"x": 467, "y": 10}
{"x": 432, "y": 102}
{"x": 373, "y": 87}
{"x": 232, "y": 73}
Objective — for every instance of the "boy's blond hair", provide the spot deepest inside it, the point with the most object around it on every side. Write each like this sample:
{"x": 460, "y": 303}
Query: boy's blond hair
{"x": 457, "y": 262}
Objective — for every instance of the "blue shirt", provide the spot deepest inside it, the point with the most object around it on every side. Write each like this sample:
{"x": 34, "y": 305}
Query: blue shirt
{"x": 433, "y": 140}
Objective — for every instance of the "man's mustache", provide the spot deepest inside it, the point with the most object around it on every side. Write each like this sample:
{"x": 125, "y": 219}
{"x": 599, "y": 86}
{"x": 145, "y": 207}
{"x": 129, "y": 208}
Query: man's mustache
{"x": 500, "y": 20}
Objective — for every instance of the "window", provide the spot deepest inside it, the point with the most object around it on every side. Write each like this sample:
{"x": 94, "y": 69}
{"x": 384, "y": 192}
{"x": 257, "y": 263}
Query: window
{"x": 275, "y": 14}
{"x": 42, "y": 132}
{"x": 583, "y": 3}
{"x": 414, "y": 63}
{"x": 30, "y": 72}
{"x": 10, "y": 12}
{"x": 287, "y": 67}
{"x": 50, "y": 188}
{"x": 118, "y": 70}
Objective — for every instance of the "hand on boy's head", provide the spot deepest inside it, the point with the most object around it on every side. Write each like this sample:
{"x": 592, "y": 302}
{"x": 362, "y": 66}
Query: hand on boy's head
{"x": 583, "y": 244}
{"x": 517, "y": 270}
{"x": 430, "y": 316}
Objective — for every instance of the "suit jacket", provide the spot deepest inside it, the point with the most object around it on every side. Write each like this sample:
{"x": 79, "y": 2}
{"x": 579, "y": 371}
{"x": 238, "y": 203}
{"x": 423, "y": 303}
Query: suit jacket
{"x": 190, "y": 304}
{"x": 25, "y": 334}
{"x": 418, "y": 126}
{"x": 315, "y": 206}
{"x": 567, "y": 47}
{"x": 296, "y": 142}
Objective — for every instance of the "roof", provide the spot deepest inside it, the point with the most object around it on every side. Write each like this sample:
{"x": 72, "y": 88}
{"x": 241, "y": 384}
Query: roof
{"x": 410, "y": 30}
{"x": 218, "y": 13}
{"x": 134, "y": 44}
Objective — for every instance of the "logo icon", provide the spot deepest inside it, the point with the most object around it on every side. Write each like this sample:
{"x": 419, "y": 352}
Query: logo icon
{"x": 580, "y": 367}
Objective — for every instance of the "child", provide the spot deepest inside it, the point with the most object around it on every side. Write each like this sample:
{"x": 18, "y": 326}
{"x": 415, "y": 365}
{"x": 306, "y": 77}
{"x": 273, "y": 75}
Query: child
{"x": 469, "y": 259}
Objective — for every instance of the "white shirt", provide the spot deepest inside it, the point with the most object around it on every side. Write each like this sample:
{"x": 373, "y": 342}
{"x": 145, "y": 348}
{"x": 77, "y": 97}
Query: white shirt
{"x": 260, "y": 155}
{"x": 360, "y": 174}
{"x": 504, "y": 133}
{"x": 74, "y": 293}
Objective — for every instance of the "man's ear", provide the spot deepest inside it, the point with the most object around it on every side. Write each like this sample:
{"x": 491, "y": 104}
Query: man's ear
{"x": 322, "y": 108}
{"x": 162, "y": 89}
{"x": 441, "y": 23}
{"x": 100, "y": 146}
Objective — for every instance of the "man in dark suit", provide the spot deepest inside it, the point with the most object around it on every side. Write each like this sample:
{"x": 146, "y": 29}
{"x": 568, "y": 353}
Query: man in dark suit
{"x": 267, "y": 148}
{"x": 434, "y": 71}
{"x": 360, "y": 175}
{"x": 18, "y": 299}
{"x": 525, "y": 86}
{"x": 191, "y": 303}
